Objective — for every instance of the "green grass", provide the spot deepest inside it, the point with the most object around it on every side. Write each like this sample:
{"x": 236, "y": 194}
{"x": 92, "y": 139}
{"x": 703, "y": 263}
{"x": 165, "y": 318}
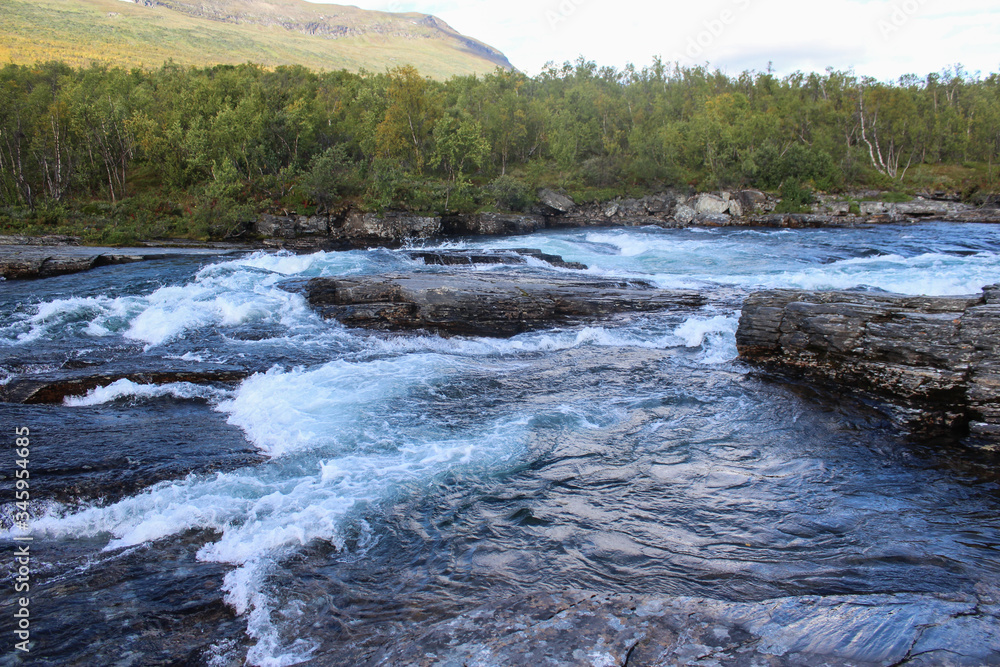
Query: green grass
{"x": 79, "y": 32}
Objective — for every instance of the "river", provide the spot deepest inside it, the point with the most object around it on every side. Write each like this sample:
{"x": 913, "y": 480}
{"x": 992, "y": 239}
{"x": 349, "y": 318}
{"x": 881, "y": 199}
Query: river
{"x": 359, "y": 482}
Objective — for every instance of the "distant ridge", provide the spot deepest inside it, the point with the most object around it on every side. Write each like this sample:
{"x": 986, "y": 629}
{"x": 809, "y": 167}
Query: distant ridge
{"x": 206, "y": 32}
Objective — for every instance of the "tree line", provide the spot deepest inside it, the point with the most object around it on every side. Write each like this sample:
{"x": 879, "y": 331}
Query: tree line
{"x": 223, "y": 142}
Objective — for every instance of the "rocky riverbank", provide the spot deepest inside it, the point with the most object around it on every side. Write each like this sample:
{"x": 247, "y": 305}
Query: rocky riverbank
{"x": 935, "y": 360}
{"x": 749, "y": 208}
{"x": 27, "y": 257}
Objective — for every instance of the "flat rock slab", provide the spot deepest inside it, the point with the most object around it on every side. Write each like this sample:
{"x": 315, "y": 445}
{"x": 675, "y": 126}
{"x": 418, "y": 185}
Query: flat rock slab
{"x": 56, "y": 386}
{"x": 482, "y": 304}
{"x": 514, "y": 256}
{"x": 590, "y": 629}
{"x": 937, "y": 358}
{"x": 19, "y": 262}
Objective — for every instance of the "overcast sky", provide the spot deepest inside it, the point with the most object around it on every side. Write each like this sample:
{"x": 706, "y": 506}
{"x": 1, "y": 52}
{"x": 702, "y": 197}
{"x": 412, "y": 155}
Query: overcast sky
{"x": 879, "y": 38}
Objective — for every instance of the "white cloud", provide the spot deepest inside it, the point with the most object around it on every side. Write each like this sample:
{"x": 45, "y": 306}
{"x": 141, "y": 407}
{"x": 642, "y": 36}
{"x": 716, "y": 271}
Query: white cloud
{"x": 880, "y": 38}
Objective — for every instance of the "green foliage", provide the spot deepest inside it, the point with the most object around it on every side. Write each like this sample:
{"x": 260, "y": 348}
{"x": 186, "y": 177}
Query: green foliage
{"x": 330, "y": 176}
{"x": 795, "y": 197}
{"x": 769, "y": 166}
{"x": 509, "y": 194}
{"x": 199, "y": 151}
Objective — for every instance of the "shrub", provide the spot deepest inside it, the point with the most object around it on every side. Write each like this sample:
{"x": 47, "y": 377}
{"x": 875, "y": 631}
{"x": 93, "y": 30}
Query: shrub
{"x": 795, "y": 198}
{"x": 509, "y": 194}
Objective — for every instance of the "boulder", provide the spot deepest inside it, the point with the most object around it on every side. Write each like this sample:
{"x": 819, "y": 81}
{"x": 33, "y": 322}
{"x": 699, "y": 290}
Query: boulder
{"x": 684, "y": 215}
{"x": 735, "y": 208}
{"x": 275, "y": 226}
{"x": 555, "y": 201}
{"x": 934, "y": 360}
{"x": 393, "y": 228}
{"x": 752, "y": 201}
{"x": 710, "y": 204}
{"x": 876, "y": 208}
{"x": 312, "y": 225}
{"x": 482, "y": 304}
{"x": 713, "y": 220}
{"x": 491, "y": 224}
{"x": 660, "y": 204}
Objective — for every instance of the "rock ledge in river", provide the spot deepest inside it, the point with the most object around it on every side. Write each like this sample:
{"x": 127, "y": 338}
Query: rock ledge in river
{"x": 937, "y": 359}
{"x": 482, "y": 304}
{"x": 608, "y": 629}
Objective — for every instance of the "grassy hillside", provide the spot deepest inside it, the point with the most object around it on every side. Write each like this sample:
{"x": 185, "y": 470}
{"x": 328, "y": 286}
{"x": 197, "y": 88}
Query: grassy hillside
{"x": 207, "y": 32}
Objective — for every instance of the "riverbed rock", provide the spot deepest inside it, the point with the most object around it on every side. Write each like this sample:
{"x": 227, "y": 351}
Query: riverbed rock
{"x": 482, "y": 304}
{"x": 936, "y": 360}
{"x": 21, "y": 262}
{"x": 607, "y": 629}
{"x": 514, "y": 256}
{"x": 54, "y": 387}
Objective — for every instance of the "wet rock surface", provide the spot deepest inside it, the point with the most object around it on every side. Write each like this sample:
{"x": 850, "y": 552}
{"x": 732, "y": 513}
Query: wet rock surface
{"x": 55, "y": 386}
{"x": 40, "y": 260}
{"x": 591, "y": 629}
{"x": 516, "y": 256}
{"x": 936, "y": 359}
{"x": 482, "y": 304}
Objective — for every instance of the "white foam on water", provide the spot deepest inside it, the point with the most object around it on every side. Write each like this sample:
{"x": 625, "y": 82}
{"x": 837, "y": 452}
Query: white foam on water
{"x": 630, "y": 244}
{"x": 340, "y": 438}
{"x": 127, "y": 388}
{"x": 224, "y": 295}
{"x": 752, "y": 259}
{"x": 932, "y": 274}
{"x": 100, "y": 315}
{"x": 286, "y": 411}
{"x": 715, "y": 335}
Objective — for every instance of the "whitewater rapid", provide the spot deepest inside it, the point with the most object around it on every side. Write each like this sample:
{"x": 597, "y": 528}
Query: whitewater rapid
{"x": 349, "y": 422}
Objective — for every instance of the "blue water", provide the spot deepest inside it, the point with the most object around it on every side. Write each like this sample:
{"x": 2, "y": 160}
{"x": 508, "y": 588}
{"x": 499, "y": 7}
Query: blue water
{"x": 357, "y": 481}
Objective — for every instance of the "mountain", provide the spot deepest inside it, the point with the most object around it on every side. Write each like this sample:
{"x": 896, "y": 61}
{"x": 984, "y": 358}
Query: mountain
{"x": 147, "y": 33}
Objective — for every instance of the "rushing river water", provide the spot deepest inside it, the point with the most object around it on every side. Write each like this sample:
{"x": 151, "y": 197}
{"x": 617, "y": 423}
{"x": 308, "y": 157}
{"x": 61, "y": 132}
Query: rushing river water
{"x": 358, "y": 482}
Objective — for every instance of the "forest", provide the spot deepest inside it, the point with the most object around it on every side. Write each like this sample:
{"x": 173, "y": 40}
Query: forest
{"x": 115, "y": 155}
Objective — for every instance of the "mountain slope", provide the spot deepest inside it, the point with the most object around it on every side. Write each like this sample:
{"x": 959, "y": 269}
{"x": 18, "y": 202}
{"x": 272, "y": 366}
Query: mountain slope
{"x": 204, "y": 32}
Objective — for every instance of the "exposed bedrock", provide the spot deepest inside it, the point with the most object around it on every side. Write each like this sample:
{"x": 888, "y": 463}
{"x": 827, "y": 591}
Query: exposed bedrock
{"x": 591, "y": 629}
{"x": 513, "y": 256}
{"x": 53, "y": 387}
{"x": 46, "y": 256}
{"x": 935, "y": 359}
{"x": 481, "y": 303}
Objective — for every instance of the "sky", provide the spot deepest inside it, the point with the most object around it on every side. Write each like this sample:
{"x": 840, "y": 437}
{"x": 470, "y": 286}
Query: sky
{"x": 880, "y": 38}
